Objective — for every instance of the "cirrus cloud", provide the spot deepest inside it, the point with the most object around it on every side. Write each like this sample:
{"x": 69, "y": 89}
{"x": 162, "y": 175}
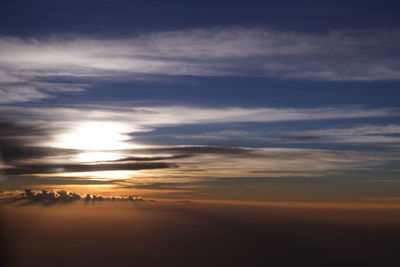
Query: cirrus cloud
{"x": 28, "y": 63}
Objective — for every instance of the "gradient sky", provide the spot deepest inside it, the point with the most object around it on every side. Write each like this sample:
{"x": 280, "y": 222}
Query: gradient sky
{"x": 251, "y": 100}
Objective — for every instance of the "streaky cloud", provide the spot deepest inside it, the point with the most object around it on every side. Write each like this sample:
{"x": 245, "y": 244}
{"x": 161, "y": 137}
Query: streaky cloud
{"x": 345, "y": 55}
{"x": 145, "y": 118}
{"x": 64, "y": 168}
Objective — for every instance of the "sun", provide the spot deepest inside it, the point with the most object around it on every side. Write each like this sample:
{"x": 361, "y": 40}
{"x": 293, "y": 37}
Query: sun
{"x": 97, "y": 141}
{"x": 95, "y": 136}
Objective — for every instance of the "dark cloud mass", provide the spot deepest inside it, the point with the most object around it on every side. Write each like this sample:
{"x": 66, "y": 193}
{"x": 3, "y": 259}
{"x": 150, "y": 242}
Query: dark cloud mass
{"x": 18, "y": 142}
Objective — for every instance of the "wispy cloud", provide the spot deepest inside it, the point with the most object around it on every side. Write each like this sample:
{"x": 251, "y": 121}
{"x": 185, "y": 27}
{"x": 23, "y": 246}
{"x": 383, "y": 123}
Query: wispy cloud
{"x": 367, "y": 134}
{"x": 29, "y": 63}
{"x": 364, "y": 133}
{"x": 65, "y": 168}
{"x": 147, "y": 118}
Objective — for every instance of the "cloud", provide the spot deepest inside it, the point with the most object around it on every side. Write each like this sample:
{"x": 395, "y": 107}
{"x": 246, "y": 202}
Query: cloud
{"x": 142, "y": 119}
{"x": 20, "y": 94}
{"x": 29, "y": 132}
{"x": 366, "y": 134}
{"x": 152, "y": 158}
{"x": 359, "y": 134}
{"x": 365, "y": 129}
{"x": 221, "y": 162}
{"x": 29, "y": 147}
{"x": 60, "y": 197}
{"x": 194, "y": 150}
{"x": 17, "y": 142}
{"x": 28, "y": 63}
{"x": 65, "y": 168}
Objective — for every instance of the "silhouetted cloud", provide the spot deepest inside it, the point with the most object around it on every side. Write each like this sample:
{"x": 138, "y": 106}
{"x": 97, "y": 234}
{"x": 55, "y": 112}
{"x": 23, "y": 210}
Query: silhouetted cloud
{"x": 152, "y": 158}
{"x": 47, "y": 197}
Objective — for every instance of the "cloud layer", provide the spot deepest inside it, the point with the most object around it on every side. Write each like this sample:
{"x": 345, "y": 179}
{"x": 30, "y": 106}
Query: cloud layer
{"x": 33, "y": 68}
{"x": 30, "y": 147}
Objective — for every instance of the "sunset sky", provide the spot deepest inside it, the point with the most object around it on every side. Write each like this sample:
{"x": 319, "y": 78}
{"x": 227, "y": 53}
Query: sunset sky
{"x": 211, "y": 100}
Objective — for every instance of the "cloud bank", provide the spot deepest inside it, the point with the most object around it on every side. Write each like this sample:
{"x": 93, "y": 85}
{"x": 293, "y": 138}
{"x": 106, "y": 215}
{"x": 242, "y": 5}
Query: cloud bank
{"x": 46, "y": 197}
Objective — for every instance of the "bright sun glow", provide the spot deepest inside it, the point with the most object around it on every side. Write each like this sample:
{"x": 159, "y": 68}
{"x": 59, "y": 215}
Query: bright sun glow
{"x": 98, "y": 141}
{"x": 96, "y": 136}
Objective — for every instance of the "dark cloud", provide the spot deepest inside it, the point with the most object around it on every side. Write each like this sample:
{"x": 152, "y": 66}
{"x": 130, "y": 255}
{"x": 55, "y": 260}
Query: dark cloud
{"x": 152, "y": 158}
{"x": 11, "y": 130}
{"x": 179, "y": 152}
{"x": 15, "y": 151}
{"x": 191, "y": 151}
{"x": 61, "y": 168}
{"x": 203, "y": 150}
{"x": 17, "y": 142}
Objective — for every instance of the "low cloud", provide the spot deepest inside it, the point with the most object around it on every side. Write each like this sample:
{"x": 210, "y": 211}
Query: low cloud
{"x": 46, "y": 197}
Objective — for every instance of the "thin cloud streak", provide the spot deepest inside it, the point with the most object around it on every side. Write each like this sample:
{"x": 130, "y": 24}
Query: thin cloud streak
{"x": 363, "y": 133}
{"x": 367, "y": 134}
{"x": 65, "y": 168}
{"x": 148, "y": 118}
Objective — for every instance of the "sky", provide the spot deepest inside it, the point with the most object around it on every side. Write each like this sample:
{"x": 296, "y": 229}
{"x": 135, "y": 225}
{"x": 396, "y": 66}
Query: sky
{"x": 244, "y": 101}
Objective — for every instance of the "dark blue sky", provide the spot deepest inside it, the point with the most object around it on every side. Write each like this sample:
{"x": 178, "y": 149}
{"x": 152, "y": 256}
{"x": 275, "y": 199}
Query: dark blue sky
{"x": 119, "y": 17}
